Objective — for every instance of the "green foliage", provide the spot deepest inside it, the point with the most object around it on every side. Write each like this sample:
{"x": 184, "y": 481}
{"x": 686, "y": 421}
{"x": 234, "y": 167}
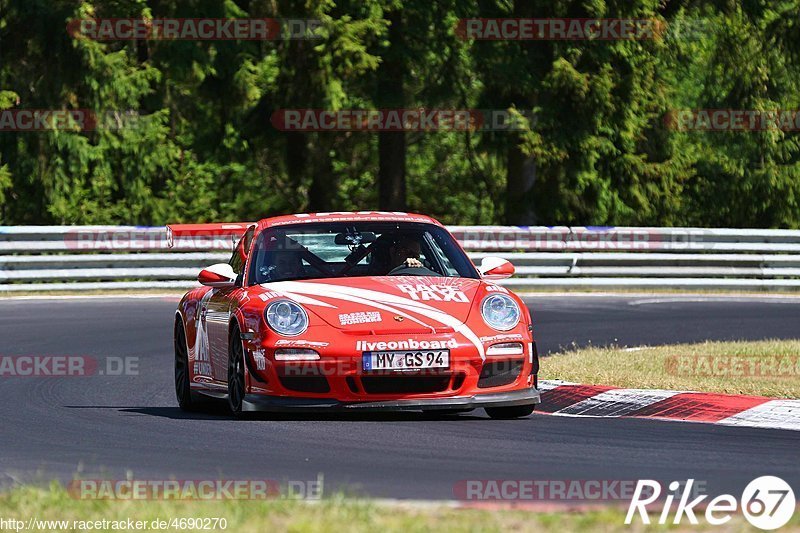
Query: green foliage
{"x": 185, "y": 131}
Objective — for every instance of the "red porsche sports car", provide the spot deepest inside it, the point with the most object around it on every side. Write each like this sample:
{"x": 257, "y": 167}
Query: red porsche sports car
{"x": 367, "y": 310}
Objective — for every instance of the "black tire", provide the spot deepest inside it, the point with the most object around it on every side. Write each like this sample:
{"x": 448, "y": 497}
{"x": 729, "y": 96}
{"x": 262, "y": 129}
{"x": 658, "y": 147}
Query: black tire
{"x": 183, "y": 390}
{"x": 236, "y": 376}
{"x": 505, "y": 413}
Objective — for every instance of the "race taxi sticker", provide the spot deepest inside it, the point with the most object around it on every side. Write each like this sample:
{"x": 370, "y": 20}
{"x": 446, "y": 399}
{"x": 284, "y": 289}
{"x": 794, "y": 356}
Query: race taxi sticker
{"x": 436, "y": 293}
{"x": 361, "y": 317}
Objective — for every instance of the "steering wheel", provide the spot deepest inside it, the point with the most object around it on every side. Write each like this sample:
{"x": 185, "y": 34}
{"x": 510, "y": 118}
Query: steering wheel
{"x": 404, "y": 270}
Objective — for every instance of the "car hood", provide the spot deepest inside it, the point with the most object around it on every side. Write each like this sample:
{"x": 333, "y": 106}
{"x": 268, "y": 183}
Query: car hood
{"x": 384, "y": 304}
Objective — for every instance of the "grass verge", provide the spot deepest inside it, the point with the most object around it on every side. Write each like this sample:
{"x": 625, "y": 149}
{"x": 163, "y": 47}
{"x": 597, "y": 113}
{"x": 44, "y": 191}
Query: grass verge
{"x": 763, "y": 368}
{"x": 334, "y": 514}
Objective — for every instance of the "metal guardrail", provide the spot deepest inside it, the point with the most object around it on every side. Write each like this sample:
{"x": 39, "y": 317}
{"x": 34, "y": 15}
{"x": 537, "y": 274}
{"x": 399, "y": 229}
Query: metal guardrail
{"x": 34, "y": 258}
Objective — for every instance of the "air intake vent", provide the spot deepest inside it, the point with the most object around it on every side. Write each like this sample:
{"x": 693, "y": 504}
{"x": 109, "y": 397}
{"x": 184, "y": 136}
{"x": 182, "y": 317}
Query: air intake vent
{"x": 317, "y": 384}
{"x": 405, "y": 385}
{"x": 498, "y": 373}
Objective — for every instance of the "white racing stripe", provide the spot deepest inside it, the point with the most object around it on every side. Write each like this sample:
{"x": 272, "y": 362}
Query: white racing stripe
{"x": 200, "y": 351}
{"x": 370, "y": 297}
{"x": 779, "y": 414}
{"x": 618, "y": 402}
{"x": 550, "y": 384}
{"x": 772, "y": 414}
{"x": 305, "y": 300}
{"x": 370, "y": 303}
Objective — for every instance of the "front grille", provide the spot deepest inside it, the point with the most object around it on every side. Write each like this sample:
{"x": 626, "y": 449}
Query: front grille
{"x": 458, "y": 381}
{"x": 405, "y": 384}
{"x": 498, "y": 373}
{"x": 318, "y": 384}
{"x": 351, "y": 384}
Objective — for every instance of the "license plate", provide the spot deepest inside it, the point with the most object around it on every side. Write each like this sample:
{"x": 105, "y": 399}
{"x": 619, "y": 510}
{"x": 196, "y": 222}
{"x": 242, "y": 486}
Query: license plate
{"x": 406, "y": 360}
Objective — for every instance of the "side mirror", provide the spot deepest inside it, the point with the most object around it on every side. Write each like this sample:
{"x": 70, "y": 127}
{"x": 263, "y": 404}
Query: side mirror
{"x": 496, "y": 268}
{"x": 220, "y": 276}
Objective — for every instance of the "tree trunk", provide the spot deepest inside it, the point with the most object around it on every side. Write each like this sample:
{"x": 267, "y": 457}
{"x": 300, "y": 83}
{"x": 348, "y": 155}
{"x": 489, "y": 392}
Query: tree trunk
{"x": 392, "y": 171}
{"x": 296, "y": 157}
{"x": 322, "y": 193}
{"x": 520, "y": 176}
{"x": 520, "y": 169}
{"x": 392, "y": 144}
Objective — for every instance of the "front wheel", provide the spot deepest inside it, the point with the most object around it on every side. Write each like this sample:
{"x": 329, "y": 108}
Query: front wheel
{"x": 236, "y": 379}
{"x": 183, "y": 390}
{"x": 505, "y": 413}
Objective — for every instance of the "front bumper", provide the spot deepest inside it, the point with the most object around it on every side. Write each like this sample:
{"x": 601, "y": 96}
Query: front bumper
{"x": 258, "y": 402}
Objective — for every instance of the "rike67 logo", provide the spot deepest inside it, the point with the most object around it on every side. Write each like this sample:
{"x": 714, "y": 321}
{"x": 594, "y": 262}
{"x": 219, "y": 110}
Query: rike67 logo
{"x": 768, "y": 502}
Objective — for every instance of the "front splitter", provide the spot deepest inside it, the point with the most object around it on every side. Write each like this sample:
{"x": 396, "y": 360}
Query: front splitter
{"x": 257, "y": 402}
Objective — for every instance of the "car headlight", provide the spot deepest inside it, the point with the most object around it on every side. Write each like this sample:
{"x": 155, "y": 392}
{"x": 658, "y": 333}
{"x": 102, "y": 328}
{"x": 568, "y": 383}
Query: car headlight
{"x": 500, "y": 312}
{"x": 286, "y": 318}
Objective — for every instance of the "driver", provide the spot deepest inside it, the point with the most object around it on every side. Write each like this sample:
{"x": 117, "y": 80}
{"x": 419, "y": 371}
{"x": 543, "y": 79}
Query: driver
{"x": 404, "y": 252}
{"x": 288, "y": 265}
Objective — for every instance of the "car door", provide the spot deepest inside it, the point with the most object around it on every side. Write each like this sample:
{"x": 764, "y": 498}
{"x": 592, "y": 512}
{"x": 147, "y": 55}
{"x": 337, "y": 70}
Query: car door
{"x": 221, "y": 306}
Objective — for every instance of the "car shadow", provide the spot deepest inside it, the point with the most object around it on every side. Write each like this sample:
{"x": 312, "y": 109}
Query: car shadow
{"x": 219, "y": 411}
{"x": 174, "y": 413}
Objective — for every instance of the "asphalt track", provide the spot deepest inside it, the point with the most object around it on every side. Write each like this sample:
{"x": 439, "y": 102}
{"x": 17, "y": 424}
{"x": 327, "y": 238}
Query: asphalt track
{"x": 107, "y": 426}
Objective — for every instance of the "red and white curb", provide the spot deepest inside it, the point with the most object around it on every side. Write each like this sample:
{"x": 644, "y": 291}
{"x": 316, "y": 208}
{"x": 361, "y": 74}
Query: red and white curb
{"x": 572, "y": 399}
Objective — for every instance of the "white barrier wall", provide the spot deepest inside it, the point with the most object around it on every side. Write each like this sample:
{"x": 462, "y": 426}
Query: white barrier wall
{"x": 130, "y": 257}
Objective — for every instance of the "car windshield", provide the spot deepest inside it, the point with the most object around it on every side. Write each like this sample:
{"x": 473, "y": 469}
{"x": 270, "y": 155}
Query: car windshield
{"x": 334, "y": 250}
